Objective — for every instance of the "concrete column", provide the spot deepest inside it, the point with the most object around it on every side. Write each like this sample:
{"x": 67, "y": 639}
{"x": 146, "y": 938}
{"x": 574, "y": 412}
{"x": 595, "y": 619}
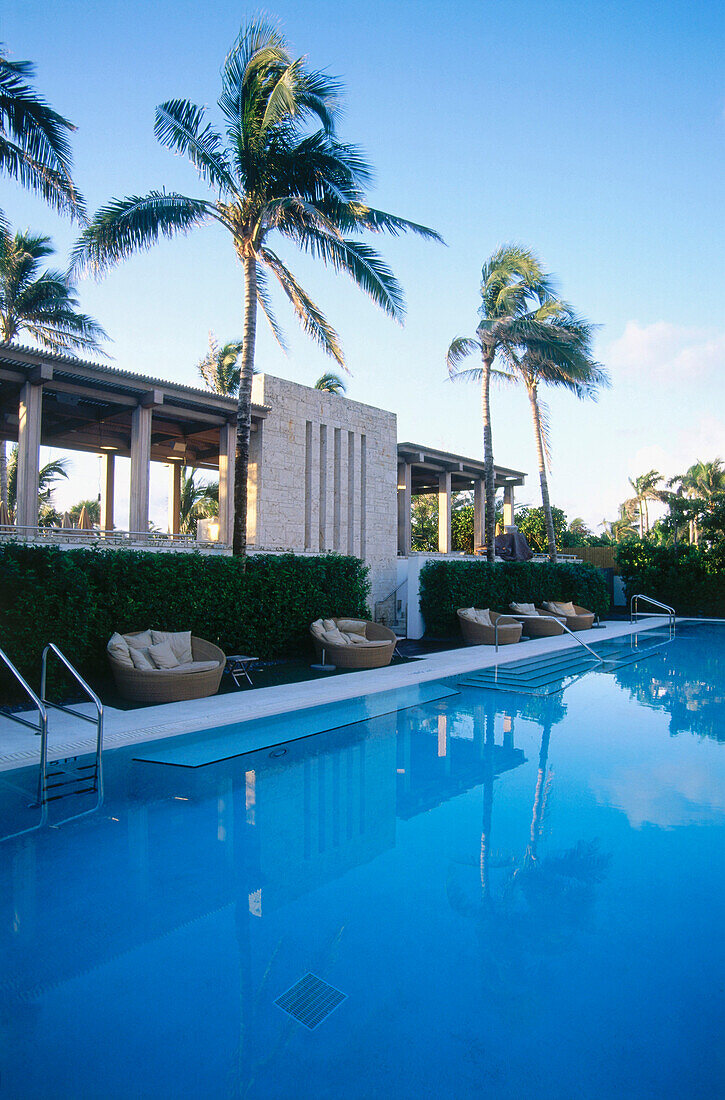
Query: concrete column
{"x": 108, "y": 486}
{"x": 227, "y": 454}
{"x": 174, "y": 497}
{"x": 508, "y": 506}
{"x": 138, "y": 520}
{"x": 479, "y": 514}
{"x": 405, "y": 482}
{"x": 444, "y": 513}
{"x": 29, "y": 420}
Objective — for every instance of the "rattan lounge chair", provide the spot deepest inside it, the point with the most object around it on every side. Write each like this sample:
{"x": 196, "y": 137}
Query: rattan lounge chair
{"x": 359, "y": 656}
{"x": 172, "y": 685}
{"x": 536, "y": 626}
{"x": 509, "y": 629}
{"x": 582, "y": 620}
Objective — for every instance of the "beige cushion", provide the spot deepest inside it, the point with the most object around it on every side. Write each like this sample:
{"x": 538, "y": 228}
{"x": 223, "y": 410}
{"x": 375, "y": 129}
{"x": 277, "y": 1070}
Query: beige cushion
{"x": 365, "y": 642}
{"x": 141, "y": 660}
{"x": 483, "y": 618}
{"x": 139, "y": 641}
{"x": 564, "y": 609}
{"x": 318, "y": 628}
{"x": 352, "y": 626}
{"x": 329, "y": 624}
{"x": 524, "y": 608}
{"x": 356, "y": 639}
{"x": 163, "y": 655}
{"x": 118, "y": 649}
{"x": 334, "y": 637}
{"x": 196, "y": 666}
{"x": 180, "y": 643}
{"x": 469, "y": 613}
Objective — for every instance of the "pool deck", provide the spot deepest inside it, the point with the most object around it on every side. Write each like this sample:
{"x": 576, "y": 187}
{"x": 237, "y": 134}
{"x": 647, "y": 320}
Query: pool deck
{"x": 69, "y": 737}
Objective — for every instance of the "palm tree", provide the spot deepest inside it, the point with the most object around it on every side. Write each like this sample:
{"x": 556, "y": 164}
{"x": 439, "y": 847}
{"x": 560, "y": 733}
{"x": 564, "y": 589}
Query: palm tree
{"x": 331, "y": 383}
{"x": 197, "y": 501}
{"x": 577, "y": 526}
{"x": 645, "y": 489}
{"x": 41, "y": 303}
{"x": 512, "y": 282}
{"x": 34, "y": 147}
{"x": 271, "y": 172}
{"x": 49, "y": 474}
{"x": 220, "y": 367}
{"x": 556, "y": 351}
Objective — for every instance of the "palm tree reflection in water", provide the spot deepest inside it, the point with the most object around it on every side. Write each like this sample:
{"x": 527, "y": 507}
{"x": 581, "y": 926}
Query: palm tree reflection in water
{"x": 531, "y": 906}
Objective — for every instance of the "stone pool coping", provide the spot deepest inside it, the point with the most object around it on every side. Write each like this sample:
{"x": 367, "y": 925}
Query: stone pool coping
{"x": 19, "y": 747}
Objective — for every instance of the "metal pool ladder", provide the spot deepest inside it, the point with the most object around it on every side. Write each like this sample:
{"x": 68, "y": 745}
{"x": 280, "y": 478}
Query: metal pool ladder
{"x": 634, "y": 609}
{"x": 42, "y": 729}
{"x": 89, "y": 774}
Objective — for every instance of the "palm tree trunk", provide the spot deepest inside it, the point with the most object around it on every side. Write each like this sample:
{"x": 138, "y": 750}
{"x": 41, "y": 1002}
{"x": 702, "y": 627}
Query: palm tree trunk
{"x": 545, "y": 501}
{"x": 3, "y": 474}
{"x": 488, "y": 470}
{"x": 244, "y": 408}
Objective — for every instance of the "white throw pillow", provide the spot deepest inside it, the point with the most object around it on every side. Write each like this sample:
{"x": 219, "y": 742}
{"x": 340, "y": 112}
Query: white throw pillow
{"x": 329, "y": 624}
{"x": 163, "y": 655}
{"x": 142, "y": 661}
{"x": 483, "y": 618}
{"x": 139, "y": 641}
{"x": 118, "y": 649}
{"x": 524, "y": 608}
{"x": 564, "y": 609}
{"x": 469, "y": 613}
{"x": 180, "y": 643}
{"x": 334, "y": 637}
{"x": 356, "y": 639}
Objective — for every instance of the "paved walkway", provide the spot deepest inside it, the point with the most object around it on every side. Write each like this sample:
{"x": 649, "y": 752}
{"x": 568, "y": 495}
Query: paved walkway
{"x": 69, "y": 737}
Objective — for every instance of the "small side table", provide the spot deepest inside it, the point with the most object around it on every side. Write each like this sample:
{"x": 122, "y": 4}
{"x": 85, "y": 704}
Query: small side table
{"x": 238, "y": 665}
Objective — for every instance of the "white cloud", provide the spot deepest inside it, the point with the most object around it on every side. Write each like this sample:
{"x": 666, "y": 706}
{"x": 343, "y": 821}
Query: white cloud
{"x": 666, "y": 352}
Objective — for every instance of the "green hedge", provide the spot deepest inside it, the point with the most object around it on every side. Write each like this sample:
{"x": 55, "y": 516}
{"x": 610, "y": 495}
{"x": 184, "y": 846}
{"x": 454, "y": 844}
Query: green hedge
{"x": 448, "y": 585}
{"x": 77, "y": 598}
{"x": 690, "y": 579}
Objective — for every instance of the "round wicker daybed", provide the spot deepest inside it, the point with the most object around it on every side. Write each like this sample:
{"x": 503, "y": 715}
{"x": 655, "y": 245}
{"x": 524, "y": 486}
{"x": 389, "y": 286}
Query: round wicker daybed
{"x": 581, "y": 620}
{"x": 171, "y": 686}
{"x": 358, "y": 656}
{"x": 509, "y": 629}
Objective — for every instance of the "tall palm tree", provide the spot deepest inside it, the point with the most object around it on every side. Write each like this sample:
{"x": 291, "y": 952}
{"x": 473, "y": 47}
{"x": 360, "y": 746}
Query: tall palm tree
{"x": 645, "y": 489}
{"x": 512, "y": 284}
{"x": 557, "y": 351}
{"x": 41, "y": 303}
{"x": 34, "y": 147}
{"x": 278, "y": 168}
{"x": 220, "y": 367}
{"x": 331, "y": 383}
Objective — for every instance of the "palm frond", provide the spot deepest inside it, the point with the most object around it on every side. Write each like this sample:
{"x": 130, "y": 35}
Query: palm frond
{"x": 313, "y": 321}
{"x": 125, "y": 226}
{"x": 363, "y": 264}
{"x": 460, "y": 349}
{"x": 265, "y": 304}
{"x": 179, "y": 126}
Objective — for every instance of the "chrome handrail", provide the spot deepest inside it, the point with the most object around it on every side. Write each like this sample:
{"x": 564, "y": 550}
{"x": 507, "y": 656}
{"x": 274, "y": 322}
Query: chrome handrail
{"x": 42, "y": 729}
{"x": 553, "y": 619}
{"x": 97, "y": 721}
{"x": 633, "y": 608}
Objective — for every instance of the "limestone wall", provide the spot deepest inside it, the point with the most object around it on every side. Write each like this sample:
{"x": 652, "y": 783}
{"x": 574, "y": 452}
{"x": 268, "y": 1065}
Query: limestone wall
{"x": 326, "y": 477}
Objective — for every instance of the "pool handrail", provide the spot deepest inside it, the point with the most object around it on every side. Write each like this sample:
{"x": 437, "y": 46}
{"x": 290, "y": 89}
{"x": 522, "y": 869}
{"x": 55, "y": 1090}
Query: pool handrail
{"x": 42, "y": 729}
{"x": 97, "y": 721}
{"x": 556, "y": 619}
{"x": 634, "y": 608}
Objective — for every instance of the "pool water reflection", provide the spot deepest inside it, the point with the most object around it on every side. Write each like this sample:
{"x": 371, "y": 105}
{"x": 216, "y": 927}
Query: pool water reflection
{"x": 518, "y": 896}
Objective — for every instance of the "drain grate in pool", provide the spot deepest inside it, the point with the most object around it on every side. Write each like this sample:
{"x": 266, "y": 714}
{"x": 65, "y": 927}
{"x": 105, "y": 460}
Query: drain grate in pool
{"x": 310, "y": 1000}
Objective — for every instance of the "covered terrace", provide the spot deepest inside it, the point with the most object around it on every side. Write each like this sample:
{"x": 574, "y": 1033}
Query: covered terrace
{"x": 427, "y": 470}
{"x": 63, "y": 402}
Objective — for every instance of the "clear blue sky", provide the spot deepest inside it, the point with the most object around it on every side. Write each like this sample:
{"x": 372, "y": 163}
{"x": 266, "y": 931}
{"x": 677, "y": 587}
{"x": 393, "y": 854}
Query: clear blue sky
{"x": 591, "y": 132}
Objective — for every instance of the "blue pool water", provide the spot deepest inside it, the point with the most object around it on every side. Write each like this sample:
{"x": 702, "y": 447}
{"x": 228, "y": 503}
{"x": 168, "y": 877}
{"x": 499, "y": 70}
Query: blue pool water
{"x": 517, "y": 896}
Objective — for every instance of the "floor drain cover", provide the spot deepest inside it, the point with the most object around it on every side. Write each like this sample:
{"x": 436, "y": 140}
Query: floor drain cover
{"x": 310, "y": 1000}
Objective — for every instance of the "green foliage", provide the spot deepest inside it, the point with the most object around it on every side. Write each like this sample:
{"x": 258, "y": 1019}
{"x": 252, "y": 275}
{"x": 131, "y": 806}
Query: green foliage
{"x": 78, "y": 598}
{"x": 424, "y": 522}
{"x": 462, "y": 529}
{"x": 448, "y": 585}
{"x": 93, "y": 507}
{"x": 531, "y": 522}
{"x": 689, "y": 578}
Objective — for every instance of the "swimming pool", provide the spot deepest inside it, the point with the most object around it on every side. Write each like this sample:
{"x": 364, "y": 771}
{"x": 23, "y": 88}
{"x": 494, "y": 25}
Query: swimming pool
{"x": 509, "y": 894}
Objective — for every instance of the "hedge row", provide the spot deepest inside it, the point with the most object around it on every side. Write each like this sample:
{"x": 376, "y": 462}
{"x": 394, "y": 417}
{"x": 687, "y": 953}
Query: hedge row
{"x": 448, "y": 585}
{"x": 77, "y": 598}
{"x": 690, "y": 579}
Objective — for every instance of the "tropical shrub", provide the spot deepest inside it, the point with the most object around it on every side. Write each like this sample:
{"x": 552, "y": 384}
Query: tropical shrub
{"x": 78, "y": 598}
{"x": 448, "y": 585}
{"x": 689, "y": 578}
